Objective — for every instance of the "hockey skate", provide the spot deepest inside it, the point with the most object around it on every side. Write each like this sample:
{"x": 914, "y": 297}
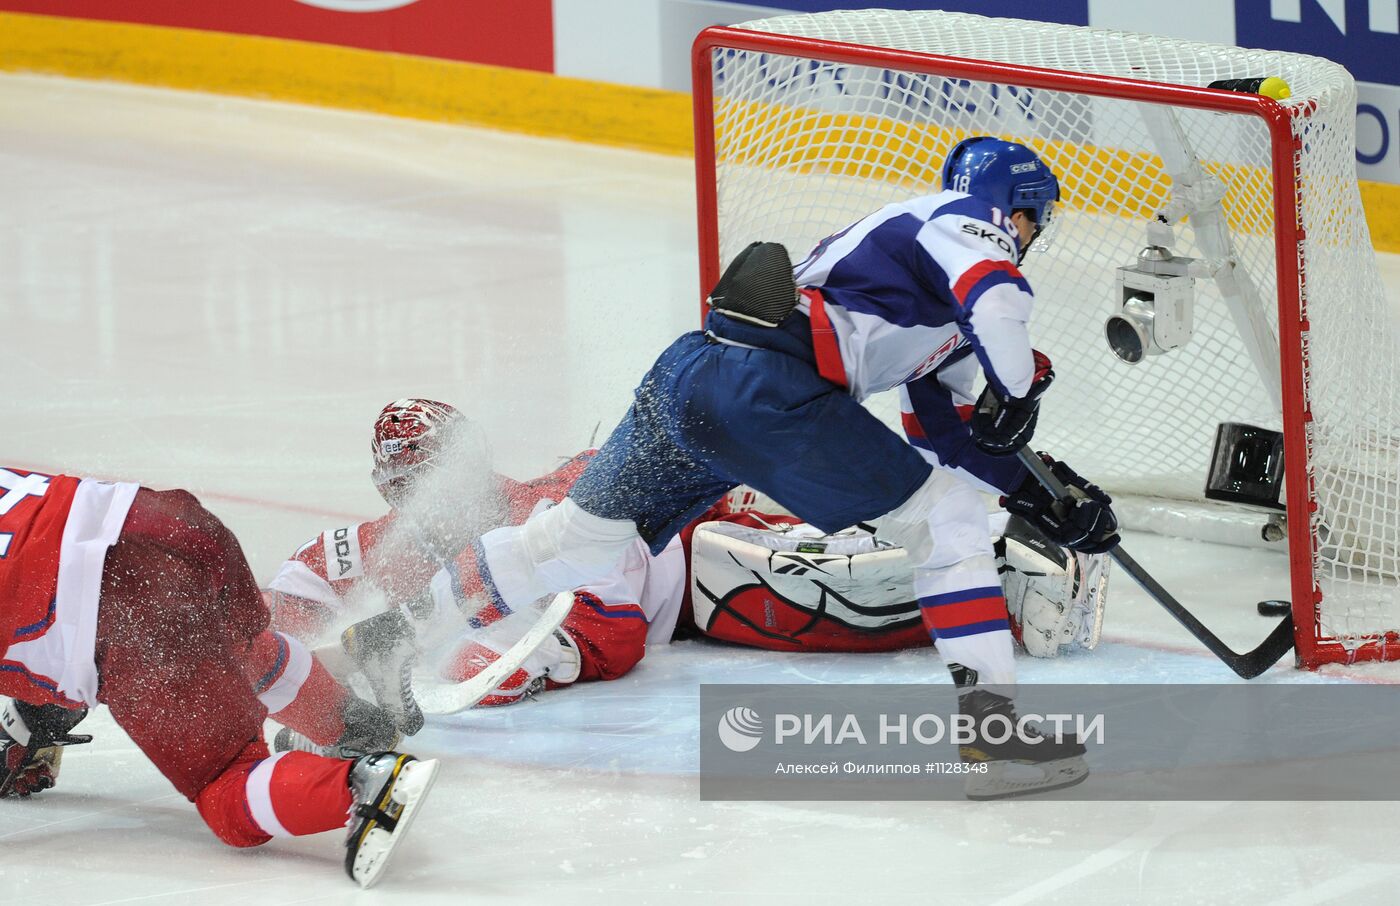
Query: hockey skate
{"x": 388, "y": 790}
{"x": 1024, "y": 763}
{"x": 383, "y": 648}
{"x": 367, "y": 729}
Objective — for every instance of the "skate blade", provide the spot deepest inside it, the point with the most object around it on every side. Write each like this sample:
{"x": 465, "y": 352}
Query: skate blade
{"x": 410, "y": 788}
{"x": 1007, "y": 780}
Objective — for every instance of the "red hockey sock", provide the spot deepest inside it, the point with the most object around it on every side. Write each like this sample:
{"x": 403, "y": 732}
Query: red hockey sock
{"x": 297, "y": 793}
{"x": 223, "y": 804}
{"x": 316, "y": 711}
{"x": 289, "y": 794}
{"x": 297, "y": 689}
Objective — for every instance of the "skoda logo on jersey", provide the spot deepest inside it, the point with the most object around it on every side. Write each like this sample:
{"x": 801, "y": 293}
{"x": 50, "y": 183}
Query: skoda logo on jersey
{"x": 740, "y": 729}
{"x": 342, "y": 550}
{"x": 973, "y": 229}
{"x": 357, "y": 6}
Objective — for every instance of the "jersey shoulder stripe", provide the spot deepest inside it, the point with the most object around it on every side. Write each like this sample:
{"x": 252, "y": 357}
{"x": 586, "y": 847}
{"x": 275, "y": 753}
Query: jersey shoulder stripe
{"x": 982, "y": 276}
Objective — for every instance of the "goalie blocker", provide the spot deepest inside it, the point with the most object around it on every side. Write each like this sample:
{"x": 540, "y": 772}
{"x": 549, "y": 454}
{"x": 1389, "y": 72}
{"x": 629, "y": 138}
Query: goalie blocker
{"x": 771, "y": 582}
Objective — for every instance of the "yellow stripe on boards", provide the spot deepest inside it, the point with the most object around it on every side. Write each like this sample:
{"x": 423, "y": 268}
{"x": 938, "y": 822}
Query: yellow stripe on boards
{"x": 330, "y": 76}
{"x": 531, "y": 102}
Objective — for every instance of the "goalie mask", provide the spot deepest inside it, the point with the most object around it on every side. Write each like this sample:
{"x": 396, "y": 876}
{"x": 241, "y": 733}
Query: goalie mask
{"x": 413, "y": 437}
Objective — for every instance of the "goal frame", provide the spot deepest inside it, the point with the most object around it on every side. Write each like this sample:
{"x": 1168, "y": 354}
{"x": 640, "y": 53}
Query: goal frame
{"x": 1312, "y": 649}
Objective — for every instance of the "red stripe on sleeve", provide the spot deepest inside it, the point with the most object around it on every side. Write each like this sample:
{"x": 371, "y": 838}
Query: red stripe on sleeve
{"x": 979, "y": 270}
{"x": 912, "y": 428}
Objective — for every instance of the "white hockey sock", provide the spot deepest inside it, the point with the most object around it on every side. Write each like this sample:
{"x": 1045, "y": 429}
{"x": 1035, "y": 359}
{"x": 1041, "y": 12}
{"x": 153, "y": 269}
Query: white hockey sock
{"x": 558, "y": 550}
{"x": 960, "y": 594}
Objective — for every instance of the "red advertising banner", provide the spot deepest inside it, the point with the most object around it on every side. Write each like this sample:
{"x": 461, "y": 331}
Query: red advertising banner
{"x": 518, "y": 33}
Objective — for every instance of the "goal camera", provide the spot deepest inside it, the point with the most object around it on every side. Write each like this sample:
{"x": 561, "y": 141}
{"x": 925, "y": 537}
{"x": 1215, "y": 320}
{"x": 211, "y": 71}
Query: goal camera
{"x": 1156, "y": 299}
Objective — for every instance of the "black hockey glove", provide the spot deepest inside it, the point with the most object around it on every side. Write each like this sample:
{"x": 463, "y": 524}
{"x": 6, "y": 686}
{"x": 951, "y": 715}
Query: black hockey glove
{"x": 1001, "y": 425}
{"x": 32, "y": 738}
{"x": 384, "y": 647}
{"x": 1083, "y": 521}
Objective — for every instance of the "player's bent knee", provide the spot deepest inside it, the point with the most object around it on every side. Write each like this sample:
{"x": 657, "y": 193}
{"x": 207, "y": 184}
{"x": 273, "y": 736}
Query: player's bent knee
{"x": 557, "y": 550}
{"x": 908, "y": 525}
{"x": 223, "y": 803}
{"x": 570, "y": 546}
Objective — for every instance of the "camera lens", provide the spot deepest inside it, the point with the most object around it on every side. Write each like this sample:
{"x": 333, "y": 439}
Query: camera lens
{"x": 1125, "y": 338}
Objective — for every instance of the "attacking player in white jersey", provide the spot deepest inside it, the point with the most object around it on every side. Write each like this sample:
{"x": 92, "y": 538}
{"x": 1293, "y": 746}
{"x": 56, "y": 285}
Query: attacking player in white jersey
{"x": 920, "y": 295}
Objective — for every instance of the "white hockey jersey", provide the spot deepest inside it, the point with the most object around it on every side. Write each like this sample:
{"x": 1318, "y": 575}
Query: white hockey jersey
{"x": 918, "y": 295}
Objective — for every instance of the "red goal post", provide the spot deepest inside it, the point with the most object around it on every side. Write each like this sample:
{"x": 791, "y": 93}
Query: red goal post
{"x": 805, "y": 123}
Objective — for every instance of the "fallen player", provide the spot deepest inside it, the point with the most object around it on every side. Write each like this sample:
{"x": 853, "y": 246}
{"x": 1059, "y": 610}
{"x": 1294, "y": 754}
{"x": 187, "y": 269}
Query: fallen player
{"x": 411, "y": 568}
{"x": 142, "y": 600}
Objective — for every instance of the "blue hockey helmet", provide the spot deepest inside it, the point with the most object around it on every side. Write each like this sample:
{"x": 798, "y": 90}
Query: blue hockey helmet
{"x": 1004, "y": 174}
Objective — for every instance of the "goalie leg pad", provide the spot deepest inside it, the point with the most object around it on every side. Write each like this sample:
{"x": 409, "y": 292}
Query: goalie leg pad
{"x": 1055, "y": 596}
{"x": 790, "y": 587}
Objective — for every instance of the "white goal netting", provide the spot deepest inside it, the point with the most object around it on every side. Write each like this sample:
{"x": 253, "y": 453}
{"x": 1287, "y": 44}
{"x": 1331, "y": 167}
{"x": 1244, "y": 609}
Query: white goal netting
{"x": 804, "y": 144}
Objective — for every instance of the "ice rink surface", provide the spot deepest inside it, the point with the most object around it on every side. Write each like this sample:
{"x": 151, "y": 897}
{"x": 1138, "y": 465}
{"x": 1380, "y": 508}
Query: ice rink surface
{"x": 220, "y": 294}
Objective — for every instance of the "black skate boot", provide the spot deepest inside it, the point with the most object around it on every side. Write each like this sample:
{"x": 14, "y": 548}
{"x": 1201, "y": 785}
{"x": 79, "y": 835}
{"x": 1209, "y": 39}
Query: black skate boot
{"x": 368, "y": 728}
{"x": 1023, "y": 763}
{"x": 383, "y": 647}
{"x": 388, "y": 790}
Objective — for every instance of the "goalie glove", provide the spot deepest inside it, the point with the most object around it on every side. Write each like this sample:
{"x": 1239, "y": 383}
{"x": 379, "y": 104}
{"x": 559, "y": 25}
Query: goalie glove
{"x": 1001, "y": 425}
{"x": 1083, "y": 521}
{"x": 32, "y": 738}
{"x": 556, "y": 662}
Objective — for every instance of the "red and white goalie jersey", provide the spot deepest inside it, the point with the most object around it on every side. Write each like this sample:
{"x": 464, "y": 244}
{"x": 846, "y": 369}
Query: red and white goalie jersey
{"x": 54, "y": 535}
{"x": 312, "y": 589}
{"x": 603, "y": 637}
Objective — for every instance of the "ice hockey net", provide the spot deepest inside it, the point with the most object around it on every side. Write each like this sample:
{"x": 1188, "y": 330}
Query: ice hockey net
{"x": 805, "y": 123}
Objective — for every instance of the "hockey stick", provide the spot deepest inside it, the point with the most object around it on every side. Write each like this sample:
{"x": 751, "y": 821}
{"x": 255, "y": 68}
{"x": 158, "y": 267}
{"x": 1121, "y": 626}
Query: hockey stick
{"x": 449, "y": 698}
{"x": 1248, "y": 665}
